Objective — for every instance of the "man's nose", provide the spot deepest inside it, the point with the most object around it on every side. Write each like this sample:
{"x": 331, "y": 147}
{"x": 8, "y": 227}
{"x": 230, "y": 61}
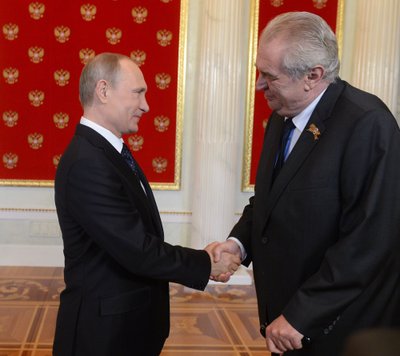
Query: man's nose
{"x": 261, "y": 83}
{"x": 144, "y": 106}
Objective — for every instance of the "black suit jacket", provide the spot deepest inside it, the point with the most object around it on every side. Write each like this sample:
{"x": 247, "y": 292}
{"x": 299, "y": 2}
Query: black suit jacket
{"x": 324, "y": 237}
{"x": 117, "y": 265}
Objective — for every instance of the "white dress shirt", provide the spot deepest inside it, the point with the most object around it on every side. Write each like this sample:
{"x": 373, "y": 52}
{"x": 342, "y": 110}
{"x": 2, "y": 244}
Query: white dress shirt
{"x": 116, "y": 142}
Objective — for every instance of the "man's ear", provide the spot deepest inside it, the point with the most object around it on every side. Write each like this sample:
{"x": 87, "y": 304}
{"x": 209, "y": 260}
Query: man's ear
{"x": 101, "y": 90}
{"x": 314, "y": 77}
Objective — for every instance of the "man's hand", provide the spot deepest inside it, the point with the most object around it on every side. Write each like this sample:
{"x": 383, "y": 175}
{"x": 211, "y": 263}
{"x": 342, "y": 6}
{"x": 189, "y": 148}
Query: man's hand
{"x": 282, "y": 337}
{"x": 223, "y": 262}
{"x": 226, "y": 246}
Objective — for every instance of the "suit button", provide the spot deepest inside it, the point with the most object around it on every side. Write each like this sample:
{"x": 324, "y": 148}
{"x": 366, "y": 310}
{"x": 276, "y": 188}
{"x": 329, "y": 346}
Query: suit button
{"x": 326, "y": 331}
{"x": 262, "y": 330}
{"x": 264, "y": 240}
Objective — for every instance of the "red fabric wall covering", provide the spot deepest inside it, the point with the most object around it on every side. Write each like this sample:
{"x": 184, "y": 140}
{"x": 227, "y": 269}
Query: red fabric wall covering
{"x": 43, "y": 47}
{"x": 268, "y": 9}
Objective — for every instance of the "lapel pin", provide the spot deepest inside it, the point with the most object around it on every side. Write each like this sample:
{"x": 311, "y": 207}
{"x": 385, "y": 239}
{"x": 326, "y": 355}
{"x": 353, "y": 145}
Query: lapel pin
{"x": 315, "y": 131}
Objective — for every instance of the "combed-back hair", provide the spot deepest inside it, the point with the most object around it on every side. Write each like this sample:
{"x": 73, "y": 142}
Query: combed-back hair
{"x": 310, "y": 40}
{"x": 104, "y": 66}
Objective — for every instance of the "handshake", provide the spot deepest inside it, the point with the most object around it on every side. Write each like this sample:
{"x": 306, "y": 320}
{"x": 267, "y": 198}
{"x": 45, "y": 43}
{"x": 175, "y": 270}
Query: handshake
{"x": 225, "y": 259}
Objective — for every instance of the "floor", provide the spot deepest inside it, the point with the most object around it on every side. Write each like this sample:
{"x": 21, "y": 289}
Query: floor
{"x": 222, "y": 321}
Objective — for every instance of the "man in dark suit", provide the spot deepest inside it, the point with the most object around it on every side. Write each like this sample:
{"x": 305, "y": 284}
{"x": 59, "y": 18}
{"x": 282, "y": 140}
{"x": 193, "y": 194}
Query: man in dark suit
{"x": 323, "y": 230}
{"x": 117, "y": 265}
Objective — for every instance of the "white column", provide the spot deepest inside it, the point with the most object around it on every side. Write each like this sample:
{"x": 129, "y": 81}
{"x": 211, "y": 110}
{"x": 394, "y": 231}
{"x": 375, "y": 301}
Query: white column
{"x": 223, "y": 29}
{"x": 376, "y": 62}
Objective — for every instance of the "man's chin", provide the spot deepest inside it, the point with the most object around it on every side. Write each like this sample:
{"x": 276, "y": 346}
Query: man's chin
{"x": 272, "y": 105}
{"x": 134, "y": 129}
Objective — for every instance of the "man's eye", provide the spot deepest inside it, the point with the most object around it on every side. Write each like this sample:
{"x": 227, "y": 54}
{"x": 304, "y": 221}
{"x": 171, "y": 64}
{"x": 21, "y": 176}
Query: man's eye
{"x": 272, "y": 77}
{"x": 269, "y": 76}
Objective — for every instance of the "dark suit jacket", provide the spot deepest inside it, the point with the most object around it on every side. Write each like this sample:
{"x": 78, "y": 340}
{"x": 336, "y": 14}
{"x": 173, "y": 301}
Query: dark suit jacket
{"x": 117, "y": 266}
{"x": 324, "y": 238}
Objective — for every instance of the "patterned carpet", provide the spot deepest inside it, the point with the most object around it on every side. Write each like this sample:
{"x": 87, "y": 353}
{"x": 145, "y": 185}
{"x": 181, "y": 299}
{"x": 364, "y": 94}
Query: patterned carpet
{"x": 222, "y": 321}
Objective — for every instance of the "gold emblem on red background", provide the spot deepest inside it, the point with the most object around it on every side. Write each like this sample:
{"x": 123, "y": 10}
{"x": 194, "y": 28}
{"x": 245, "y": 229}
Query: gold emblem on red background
{"x": 164, "y": 37}
{"x": 10, "y": 160}
{"x": 62, "y": 33}
{"x": 138, "y": 57}
{"x": 161, "y": 123}
{"x": 163, "y": 80}
{"x": 56, "y": 160}
{"x": 10, "y": 31}
{"x": 62, "y": 77}
{"x": 85, "y": 54}
{"x": 10, "y": 118}
{"x": 139, "y": 14}
{"x": 159, "y": 164}
{"x": 36, "y": 54}
{"x": 61, "y": 120}
{"x": 11, "y": 75}
{"x": 36, "y": 97}
{"x": 135, "y": 142}
{"x": 113, "y": 35}
{"x": 36, "y": 10}
{"x": 276, "y": 3}
{"x": 88, "y": 12}
{"x": 319, "y": 4}
{"x": 35, "y": 140}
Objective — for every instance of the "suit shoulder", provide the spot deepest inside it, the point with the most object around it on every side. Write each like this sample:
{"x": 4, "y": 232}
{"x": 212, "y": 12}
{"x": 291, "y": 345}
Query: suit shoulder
{"x": 355, "y": 106}
{"x": 361, "y": 100}
{"x": 79, "y": 153}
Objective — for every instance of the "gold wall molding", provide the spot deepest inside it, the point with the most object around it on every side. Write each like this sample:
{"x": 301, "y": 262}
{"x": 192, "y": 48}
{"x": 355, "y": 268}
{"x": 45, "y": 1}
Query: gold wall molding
{"x": 44, "y": 210}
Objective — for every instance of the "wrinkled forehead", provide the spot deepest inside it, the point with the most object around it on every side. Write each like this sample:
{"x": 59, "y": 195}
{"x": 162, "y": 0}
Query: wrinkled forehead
{"x": 271, "y": 52}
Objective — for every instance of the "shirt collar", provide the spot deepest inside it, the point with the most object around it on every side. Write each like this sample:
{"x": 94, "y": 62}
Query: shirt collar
{"x": 115, "y": 141}
{"x": 300, "y": 120}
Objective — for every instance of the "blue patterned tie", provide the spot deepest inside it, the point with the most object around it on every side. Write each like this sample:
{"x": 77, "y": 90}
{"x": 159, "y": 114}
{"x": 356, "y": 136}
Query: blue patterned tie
{"x": 127, "y": 155}
{"x": 288, "y": 127}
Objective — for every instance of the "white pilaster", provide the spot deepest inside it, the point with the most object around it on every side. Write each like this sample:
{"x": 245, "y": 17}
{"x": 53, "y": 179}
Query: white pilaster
{"x": 376, "y": 62}
{"x": 217, "y": 134}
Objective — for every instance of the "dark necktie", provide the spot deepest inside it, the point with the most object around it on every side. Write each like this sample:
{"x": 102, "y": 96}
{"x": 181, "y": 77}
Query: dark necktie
{"x": 288, "y": 127}
{"x": 127, "y": 155}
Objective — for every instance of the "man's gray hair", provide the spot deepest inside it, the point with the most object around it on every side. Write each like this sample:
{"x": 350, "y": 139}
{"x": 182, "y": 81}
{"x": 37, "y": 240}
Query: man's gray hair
{"x": 310, "y": 40}
{"x": 104, "y": 66}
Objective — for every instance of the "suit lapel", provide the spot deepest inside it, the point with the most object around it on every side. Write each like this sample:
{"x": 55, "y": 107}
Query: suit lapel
{"x": 268, "y": 155}
{"x": 145, "y": 200}
{"x": 299, "y": 154}
{"x": 150, "y": 197}
{"x": 305, "y": 144}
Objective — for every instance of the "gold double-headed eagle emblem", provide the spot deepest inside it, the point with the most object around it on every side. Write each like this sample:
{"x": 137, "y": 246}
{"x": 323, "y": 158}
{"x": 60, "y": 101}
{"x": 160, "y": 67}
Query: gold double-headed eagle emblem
{"x": 159, "y": 164}
{"x": 10, "y": 160}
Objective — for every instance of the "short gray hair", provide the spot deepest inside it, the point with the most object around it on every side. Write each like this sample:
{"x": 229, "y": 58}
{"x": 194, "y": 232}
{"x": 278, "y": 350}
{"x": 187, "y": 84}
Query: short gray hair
{"x": 104, "y": 66}
{"x": 311, "y": 42}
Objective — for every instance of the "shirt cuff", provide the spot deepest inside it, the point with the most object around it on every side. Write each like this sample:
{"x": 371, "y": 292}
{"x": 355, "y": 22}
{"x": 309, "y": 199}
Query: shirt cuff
{"x": 242, "y": 250}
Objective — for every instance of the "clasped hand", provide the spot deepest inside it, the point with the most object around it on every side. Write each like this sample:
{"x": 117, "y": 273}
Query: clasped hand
{"x": 225, "y": 259}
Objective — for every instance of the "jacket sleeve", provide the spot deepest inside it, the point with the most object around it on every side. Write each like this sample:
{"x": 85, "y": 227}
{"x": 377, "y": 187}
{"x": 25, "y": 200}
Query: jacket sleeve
{"x": 243, "y": 230}
{"x": 97, "y": 200}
